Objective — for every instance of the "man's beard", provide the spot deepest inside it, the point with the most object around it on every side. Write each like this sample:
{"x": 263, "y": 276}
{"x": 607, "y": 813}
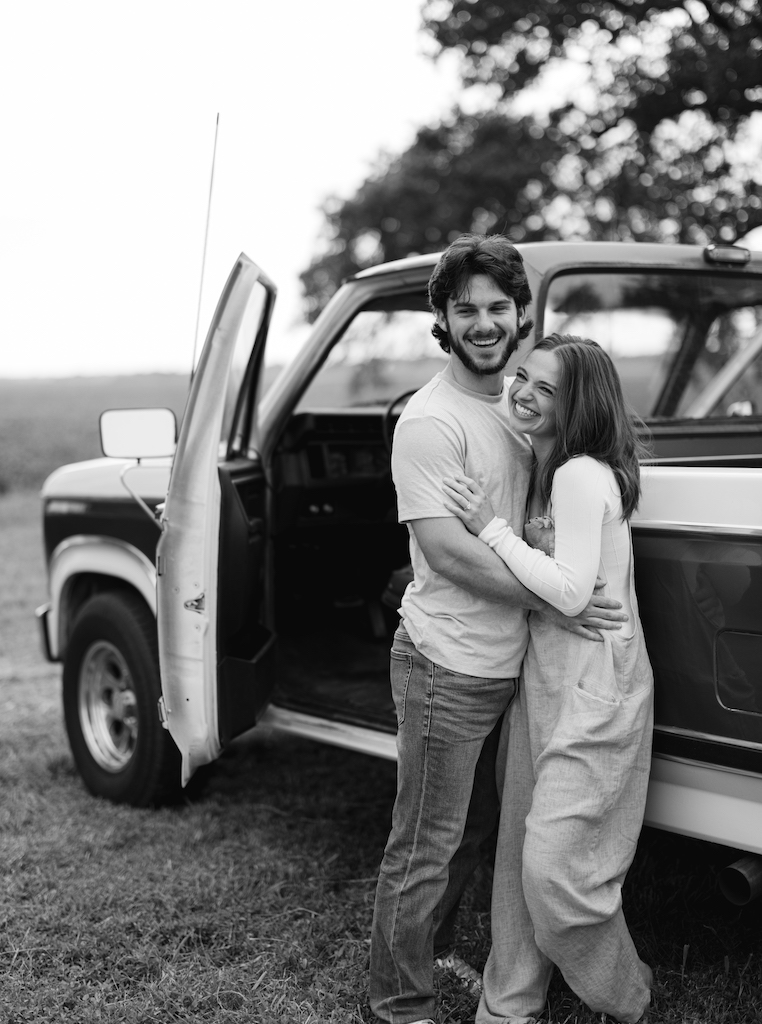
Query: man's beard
{"x": 509, "y": 340}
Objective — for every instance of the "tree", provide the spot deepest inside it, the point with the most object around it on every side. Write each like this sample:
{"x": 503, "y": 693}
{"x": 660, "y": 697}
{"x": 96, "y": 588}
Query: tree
{"x": 656, "y": 134}
{"x": 469, "y": 173}
{"x": 660, "y": 126}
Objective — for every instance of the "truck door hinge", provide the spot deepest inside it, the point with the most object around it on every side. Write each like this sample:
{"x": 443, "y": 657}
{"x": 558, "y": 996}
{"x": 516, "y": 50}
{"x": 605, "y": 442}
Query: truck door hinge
{"x": 163, "y": 716}
{"x": 195, "y": 604}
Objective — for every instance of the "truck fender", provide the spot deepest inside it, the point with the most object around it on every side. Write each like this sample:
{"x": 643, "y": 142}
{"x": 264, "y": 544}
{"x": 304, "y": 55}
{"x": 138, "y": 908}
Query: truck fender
{"x": 105, "y": 556}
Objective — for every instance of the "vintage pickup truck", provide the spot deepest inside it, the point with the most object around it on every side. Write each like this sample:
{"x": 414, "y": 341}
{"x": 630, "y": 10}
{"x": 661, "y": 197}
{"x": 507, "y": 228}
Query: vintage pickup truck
{"x": 273, "y": 561}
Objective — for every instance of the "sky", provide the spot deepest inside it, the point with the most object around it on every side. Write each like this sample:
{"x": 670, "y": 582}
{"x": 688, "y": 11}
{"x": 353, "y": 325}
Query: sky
{"x": 107, "y": 134}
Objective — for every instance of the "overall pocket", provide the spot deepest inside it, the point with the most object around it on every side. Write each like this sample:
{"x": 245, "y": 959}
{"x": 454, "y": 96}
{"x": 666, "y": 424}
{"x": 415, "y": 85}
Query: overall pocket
{"x": 617, "y": 670}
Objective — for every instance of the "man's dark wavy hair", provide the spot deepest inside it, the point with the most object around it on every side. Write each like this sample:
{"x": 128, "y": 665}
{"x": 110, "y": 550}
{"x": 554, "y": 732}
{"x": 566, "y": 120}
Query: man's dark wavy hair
{"x": 491, "y": 255}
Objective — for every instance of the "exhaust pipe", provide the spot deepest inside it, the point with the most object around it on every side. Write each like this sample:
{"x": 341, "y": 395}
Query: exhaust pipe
{"x": 741, "y": 882}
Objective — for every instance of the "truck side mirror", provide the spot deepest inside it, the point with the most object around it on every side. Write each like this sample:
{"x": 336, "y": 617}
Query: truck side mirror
{"x": 138, "y": 433}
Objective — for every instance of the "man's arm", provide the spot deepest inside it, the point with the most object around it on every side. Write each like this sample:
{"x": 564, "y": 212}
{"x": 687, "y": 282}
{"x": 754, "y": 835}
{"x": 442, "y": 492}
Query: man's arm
{"x": 469, "y": 563}
{"x": 600, "y": 613}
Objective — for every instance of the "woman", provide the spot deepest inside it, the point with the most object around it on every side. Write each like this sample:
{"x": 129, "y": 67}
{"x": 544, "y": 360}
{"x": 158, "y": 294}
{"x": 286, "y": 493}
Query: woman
{"x": 579, "y": 751}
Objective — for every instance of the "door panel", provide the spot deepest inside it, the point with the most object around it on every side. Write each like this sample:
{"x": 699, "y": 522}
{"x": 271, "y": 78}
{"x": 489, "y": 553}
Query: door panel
{"x": 698, "y": 569}
{"x": 221, "y": 400}
{"x": 245, "y": 638}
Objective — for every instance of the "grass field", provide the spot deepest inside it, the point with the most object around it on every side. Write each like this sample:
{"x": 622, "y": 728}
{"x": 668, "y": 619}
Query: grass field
{"x": 45, "y": 424}
{"x": 253, "y": 901}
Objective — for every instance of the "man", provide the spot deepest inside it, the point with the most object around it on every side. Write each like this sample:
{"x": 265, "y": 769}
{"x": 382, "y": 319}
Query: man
{"x": 458, "y": 651}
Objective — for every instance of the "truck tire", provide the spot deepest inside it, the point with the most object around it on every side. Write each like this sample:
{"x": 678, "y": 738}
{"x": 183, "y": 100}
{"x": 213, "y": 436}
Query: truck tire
{"x": 111, "y": 687}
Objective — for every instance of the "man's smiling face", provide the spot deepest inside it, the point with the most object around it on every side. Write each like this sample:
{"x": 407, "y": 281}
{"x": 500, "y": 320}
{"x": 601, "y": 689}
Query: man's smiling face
{"x": 482, "y": 325}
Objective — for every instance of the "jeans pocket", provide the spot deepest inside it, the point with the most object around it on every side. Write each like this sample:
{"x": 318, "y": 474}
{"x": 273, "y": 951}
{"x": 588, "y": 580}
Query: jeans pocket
{"x": 400, "y": 670}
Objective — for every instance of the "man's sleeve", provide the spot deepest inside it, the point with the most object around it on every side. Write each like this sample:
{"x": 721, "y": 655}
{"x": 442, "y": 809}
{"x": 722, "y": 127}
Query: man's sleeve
{"x": 425, "y": 450}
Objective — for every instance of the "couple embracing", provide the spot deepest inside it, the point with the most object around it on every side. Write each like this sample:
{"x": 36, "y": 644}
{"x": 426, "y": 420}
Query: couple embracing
{"x": 519, "y": 672}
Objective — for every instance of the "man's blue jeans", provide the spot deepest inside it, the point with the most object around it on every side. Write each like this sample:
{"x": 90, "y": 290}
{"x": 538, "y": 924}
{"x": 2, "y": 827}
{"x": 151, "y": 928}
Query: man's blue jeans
{"x": 443, "y": 720}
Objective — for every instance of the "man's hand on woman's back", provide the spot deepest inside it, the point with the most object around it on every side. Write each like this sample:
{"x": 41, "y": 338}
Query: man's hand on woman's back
{"x": 601, "y": 613}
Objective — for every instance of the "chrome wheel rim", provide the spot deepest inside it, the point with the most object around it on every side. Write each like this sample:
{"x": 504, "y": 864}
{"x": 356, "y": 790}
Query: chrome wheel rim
{"x": 108, "y": 709}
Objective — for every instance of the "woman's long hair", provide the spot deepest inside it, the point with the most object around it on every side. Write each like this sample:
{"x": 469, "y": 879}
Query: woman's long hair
{"x": 592, "y": 417}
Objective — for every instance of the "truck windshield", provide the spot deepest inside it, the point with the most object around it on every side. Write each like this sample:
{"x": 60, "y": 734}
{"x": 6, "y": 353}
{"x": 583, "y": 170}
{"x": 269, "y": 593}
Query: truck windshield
{"x": 381, "y": 354}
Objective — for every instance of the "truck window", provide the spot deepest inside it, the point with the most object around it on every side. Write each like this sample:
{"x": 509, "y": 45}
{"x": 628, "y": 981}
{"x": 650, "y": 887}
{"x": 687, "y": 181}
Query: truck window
{"x": 726, "y": 378}
{"x": 244, "y": 344}
{"x": 671, "y": 334}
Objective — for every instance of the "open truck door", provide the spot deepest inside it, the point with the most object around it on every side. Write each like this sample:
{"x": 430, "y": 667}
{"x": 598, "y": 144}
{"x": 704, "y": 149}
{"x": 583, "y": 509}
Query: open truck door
{"x": 216, "y": 642}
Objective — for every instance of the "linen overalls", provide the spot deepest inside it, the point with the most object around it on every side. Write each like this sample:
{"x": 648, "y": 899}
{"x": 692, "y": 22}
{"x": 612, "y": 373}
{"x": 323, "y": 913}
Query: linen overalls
{"x": 578, "y": 739}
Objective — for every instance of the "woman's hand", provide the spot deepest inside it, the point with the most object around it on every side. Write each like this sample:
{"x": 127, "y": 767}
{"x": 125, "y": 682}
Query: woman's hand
{"x": 539, "y": 532}
{"x": 468, "y": 501}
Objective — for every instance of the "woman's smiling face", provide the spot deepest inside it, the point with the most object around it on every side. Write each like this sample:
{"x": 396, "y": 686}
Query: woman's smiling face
{"x": 533, "y": 394}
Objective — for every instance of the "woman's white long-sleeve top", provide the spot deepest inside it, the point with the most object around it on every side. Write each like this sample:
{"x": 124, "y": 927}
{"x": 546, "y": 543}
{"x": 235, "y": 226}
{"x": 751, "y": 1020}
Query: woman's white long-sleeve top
{"x": 590, "y": 540}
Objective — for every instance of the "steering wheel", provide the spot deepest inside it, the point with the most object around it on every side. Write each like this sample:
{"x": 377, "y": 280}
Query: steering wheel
{"x": 386, "y": 421}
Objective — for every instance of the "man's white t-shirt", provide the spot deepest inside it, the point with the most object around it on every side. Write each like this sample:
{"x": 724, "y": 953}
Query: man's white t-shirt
{"x": 447, "y": 429}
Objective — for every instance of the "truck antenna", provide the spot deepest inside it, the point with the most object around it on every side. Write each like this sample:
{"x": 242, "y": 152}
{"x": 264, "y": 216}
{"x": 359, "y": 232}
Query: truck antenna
{"x": 206, "y": 239}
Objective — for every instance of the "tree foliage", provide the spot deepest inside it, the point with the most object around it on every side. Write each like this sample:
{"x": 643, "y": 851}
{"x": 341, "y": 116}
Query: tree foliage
{"x": 454, "y": 178}
{"x": 653, "y": 131}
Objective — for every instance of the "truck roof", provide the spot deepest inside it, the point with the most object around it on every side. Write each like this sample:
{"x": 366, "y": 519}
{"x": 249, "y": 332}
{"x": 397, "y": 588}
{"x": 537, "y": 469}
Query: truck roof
{"x": 544, "y": 256}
